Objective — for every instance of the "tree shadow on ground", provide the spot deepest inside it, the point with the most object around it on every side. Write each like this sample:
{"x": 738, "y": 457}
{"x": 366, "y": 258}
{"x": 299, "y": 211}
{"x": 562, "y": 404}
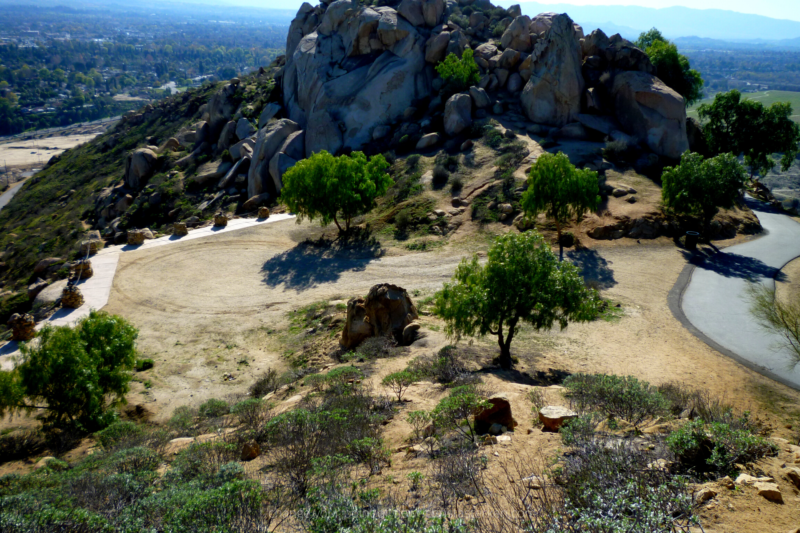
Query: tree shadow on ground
{"x": 321, "y": 260}
{"x": 594, "y": 268}
{"x": 732, "y": 265}
{"x": 538, "y": 378}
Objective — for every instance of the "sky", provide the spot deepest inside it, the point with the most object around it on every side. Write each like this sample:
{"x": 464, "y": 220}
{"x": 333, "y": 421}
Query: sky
{"x": 780, "y": 9}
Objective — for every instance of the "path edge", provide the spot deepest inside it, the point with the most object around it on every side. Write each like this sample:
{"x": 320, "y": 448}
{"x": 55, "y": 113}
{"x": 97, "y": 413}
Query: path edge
{"x": 675, "y": 303}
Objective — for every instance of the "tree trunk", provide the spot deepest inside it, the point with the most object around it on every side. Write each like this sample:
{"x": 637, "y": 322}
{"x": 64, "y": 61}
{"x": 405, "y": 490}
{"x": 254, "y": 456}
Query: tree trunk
{"x": 560, "y": 246}
{"x": 336, "y": 221}
{"x": 506, "y": 363}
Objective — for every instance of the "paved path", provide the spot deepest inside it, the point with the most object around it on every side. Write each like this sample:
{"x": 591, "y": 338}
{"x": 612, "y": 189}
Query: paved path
{"x": 97, "y": 289}
{"x": 9, "y": 194}
{"x": 716, "y": 303}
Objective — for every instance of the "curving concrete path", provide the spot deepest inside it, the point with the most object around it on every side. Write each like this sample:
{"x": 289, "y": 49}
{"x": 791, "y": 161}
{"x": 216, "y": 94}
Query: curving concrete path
{"x": 712, "y": 296}
{"x": 97, "y": 289}
{"x": 9, "y": 194}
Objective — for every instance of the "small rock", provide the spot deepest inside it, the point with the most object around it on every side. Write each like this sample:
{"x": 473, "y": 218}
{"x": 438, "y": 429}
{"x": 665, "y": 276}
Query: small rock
{"x": 619, "y": 193}
{"x": 746, "y": 479}
{"x": 250, "y": 450}
{"x": 220, "y": 220}
{"x": 179, "y": 229}
{"x": 705, "y": 494}
{"x": 533, "y": 482}
{"x": 428, "y": 141}
{"x": 631, "y": 199}
{"x": 553, "y": 416}
{"x": 263, "y": 212}
{"x": 770, "y": 491}
{"x": 793, "y": 474}
{"x": 727, "y": 482}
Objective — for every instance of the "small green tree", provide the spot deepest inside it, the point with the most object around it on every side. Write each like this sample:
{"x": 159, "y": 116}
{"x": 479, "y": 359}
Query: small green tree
{"x": 746, "y": 127}
{"x": 74, "y": 374}
{"x": 399, "y": 382}
{"x": 672, "y": 67}
{"x": 521, "y": 281}
{"x": 459, "y": 74}
{"x": 561, "y": 191}
{"x": 701, "y": 186}
{"x": 328, "y": 188}
{"x": 457, "y": 410}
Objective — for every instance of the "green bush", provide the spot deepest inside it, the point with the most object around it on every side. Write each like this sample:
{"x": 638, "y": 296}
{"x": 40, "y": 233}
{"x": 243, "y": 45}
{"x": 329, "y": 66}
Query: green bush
{"x": 213, "y": 408}
{"x": 456, "y": 410}
{"x": 265, "y": 384}
{"x": 459, "y": 74}
{"x": 399, "y": 382}
{"x": 117, "y": 433}
{"x": 202, "y": 461}
{"x": 137, "y": 459}
{"x": 251, "y": 413}
{"x": 716, "y": 447}
{"x": 144, "y": 364}
{"x": 182, "y": 418}
{"x": 440, "y": 175}
{"x": 412, "y": 162}
{"x": 623, "y": 397}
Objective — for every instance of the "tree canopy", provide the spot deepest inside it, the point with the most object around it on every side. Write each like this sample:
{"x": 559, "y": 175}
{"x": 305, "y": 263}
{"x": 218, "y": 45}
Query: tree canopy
{"x": 331, "y": 188}
{"x": 71, "y": 373}
{"x": 746, "y": 127}
{"x": 672, "y": 67}
{"x": 559, "y": 190}
{"x": 699, "y": 186}
{"x": 522, "y": 280}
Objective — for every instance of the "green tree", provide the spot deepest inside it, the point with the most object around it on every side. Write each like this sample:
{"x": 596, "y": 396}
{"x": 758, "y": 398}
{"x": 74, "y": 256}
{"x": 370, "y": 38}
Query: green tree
{"x": 699, "y": 186}
{"x": 560, "y": 191}
{"x": 522, "y": 280}
{"x": 457, "y": 410}
{"x": 672, "y": 67}
{"x": 326, "y": 187}
{"x": 399, "y": 382}
{"x": 459, "y": 74}
{"x": 746, "y": 127}
{"x": 74, "y": 374}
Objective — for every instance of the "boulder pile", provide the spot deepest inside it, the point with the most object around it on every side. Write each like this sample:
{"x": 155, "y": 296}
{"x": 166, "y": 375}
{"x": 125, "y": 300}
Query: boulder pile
{"x": 23, "y": 327}
{"x": 386, "y": 311}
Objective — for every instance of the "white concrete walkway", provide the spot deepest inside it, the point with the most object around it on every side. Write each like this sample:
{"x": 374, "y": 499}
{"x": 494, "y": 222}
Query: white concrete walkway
{"x": 97, "y": 289}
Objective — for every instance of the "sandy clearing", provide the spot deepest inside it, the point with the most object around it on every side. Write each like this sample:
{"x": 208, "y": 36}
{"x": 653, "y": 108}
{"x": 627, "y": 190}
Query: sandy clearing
{"x": 205, "y": 306}
{"x": 39, "y": 151}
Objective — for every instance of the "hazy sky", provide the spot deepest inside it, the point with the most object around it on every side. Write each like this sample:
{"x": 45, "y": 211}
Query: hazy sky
{"x": 781, "y": 9}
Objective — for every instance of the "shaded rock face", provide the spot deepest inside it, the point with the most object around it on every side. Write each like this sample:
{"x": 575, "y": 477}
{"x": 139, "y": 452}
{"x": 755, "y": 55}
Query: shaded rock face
{"x": 354, "y": 69}
{"x": 268, "y": 143}
{"x": 139, "y": 167}
{"x": 652, "y": 112}
{"x": 386, "y": 310}
{"x": 498, "y": 413}
{"x": 553, "y": 92}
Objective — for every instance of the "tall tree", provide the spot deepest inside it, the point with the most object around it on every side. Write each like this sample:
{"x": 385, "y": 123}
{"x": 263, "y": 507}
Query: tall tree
{"x": 522, "y": 281}
{"x": 699, "y": 186}
{"x": 561, "y": 191}
{"x": 746, "y": 127}
{"x": 328, "y": 188}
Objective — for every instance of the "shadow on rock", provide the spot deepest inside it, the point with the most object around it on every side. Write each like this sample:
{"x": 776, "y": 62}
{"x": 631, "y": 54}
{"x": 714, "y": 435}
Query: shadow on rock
{"x": 321, "y": 260}
{"x": 594, "y": 268}
{"x": 733, "y": 265}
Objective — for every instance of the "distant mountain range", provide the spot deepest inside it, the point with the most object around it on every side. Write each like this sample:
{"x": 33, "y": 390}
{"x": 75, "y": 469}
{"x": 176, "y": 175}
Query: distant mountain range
{"x": 674, "y": 22}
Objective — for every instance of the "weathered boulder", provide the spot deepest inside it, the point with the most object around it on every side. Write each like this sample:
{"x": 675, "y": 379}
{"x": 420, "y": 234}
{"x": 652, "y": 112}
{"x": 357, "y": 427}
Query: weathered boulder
{"x": 170, "y": 145}
{"x": 269, "y": 141}
{"x": 553, "y": 92}
{"x": 227, "y": 137}
{"x": 139, "y": 166}
{"x": 179, "y": 229}
{"x": 221, "y": 108}
{"x": 498, "y": 413}
{"x": 50, "y": 294}
{"x": 515, "y": 83}
{"x": 278, "y": 166}
{"x": 479, "y": 97}
{"x": 518, "y": 36}
{"x": 554, "y": 416}
{"x": 651, "y": 112}
{"x": 46, "y": 263}
{"x": 244, "y": 129}
{"x": 242, "y": 149}
{"x": 256, "y": 201}
{"x": 36, "y": 287}
{"x": 294, "y": 145}
{"x": 250, "y": 451}
{"x": 436, "y": 47}
{"x": 769, "y": 491}
{"x": 269, "y": 112}
{"x": 361, "y": 68}
{"x": 428, "y": 141}
{"x": 242, "y": 166}
{"x": 386, "y": 310}
{"x": 457, "y": 114}
{"x": 211, "y": 171}
{"x": 486, "y": 51}
{"x": 544, "y": 21}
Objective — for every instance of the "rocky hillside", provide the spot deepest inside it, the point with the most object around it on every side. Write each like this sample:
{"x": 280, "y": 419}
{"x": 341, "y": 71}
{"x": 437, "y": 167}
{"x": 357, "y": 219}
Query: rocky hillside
{"x": 355, "y": 77}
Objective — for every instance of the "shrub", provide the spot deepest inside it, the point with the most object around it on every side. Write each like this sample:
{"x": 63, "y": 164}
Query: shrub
{"x": 446, "y": 367}
{"x": 459, "y": 74}
{"x": 251, "y": 413}
{"x": 622, "y": 397}
{"x": 492, "y": 137}
{"x": 137, "y": 459}
{"x": 182, "y": 418}
{"x": 412, "y": 162}
{"x": 118, "y": 433}
{"x": 440, "y": 175}
{"x": 213, "y": 408}
{"x": 226, "y": 156}
{"x": 267, "y": 383}
{"x": 456, "y": 473}
{"x": 144, "y": 364}
{"x": 716, "y": 447}
{"x": 456, "y": 410}
{"x": 202, "y": 461}
{"x": 399, "y": 382}
{"x": 317, "y": 382}
{"x": 617, "y": 150}
{"x": 343, "y": 376}
{"x": 372, "y": 452}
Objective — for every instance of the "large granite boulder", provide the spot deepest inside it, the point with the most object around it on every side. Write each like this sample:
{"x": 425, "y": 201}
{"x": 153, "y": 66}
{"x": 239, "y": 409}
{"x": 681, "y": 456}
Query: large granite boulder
{"x": 386, "y": 310}
{"x": 457, "y": 114}
{"x": 221, "y": 108}
{"x": 360, "y": 68}
{"x": 139, "y": 167}
{"x": 517, "y": 36}
{"x": 651, "y": 112}
{"x": 269, "y": 141}
{"x": 553, "y": 92}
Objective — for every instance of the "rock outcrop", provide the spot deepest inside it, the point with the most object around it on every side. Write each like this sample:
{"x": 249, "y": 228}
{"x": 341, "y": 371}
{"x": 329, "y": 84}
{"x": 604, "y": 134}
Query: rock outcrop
{"x": 270, "y": 139}
{"x": 139, "y": 166}
{"x": 386, "y": 311}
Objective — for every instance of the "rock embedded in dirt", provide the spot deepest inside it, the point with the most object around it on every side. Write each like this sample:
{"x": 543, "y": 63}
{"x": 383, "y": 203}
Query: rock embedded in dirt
{"x": 410, "y": 333}
{"x": 498, "y": 413}
{"x": 793, "y": 475}
{"x": 386, "y": 311}
{"x": 256, "y": 201}
{"x": 554, "y": 416}
{"x": 770, "y": 491}
{"x": 250, "y": 451}
{"x": 704, "y": 494}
